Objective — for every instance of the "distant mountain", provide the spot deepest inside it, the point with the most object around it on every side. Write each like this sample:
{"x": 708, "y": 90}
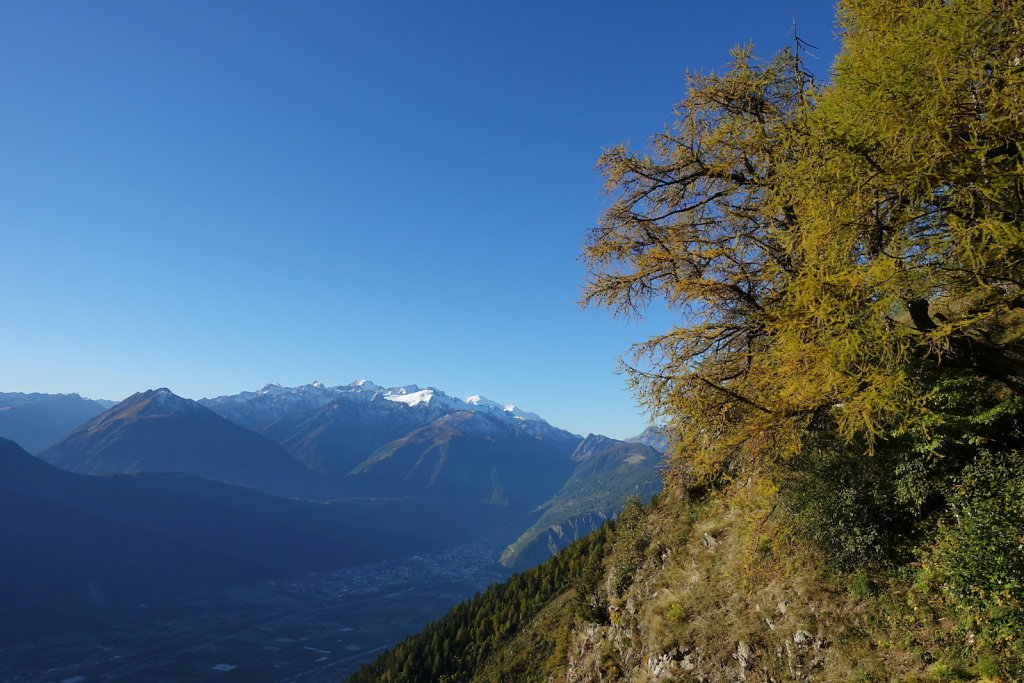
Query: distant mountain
{"x": 73, "y": 541}
{"x": 607, "y": 472}
{"x": 343, "y": 433}
{"x": 469, "y": 456}
{"x": 408, "y": 459}
{"x": 334, "y": 429}
{"x": 653, "y": 436}
{"x": 157, "y": 431}
{"x": 37, "y": 420}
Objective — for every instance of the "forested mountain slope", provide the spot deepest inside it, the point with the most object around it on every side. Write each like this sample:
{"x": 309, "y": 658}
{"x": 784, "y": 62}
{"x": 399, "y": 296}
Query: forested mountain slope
{"x": 459, "y": 645}
{"x": 608, "y": 472}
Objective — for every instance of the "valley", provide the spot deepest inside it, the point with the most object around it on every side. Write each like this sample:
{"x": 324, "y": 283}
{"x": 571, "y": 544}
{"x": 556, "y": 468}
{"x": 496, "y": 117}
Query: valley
{"x": 319, "y": 626}
{"x": 292, "y": 533}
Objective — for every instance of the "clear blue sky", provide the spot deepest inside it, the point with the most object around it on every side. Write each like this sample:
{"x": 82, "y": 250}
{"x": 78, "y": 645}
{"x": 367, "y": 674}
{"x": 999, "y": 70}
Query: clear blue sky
{"x": 210, "y": 195}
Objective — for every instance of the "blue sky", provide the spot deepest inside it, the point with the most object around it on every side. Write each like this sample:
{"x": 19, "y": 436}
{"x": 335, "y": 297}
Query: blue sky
{"x": 212, "y": 195}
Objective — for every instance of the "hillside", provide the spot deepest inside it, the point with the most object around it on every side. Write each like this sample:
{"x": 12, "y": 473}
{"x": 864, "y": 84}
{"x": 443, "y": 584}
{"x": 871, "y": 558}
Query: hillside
{"x": 461, "y": 644}
{"x": 73, "y": 542}
{"x": 608, "y": 473}
{"x": 709, "y": 589}
{"x": 157, "y": 431}
{"x": 470, "y": 457}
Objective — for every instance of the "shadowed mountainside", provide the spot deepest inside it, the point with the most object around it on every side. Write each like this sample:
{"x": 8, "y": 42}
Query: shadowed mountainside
{"x": 607, "y": 474}
{"x": 70, "y": 541}
{"x": 37, "y": 420}
{"x": 157, "y": 431}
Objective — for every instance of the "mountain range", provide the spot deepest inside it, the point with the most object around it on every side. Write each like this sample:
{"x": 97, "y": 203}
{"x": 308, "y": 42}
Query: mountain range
{"x": 37, "y": 420}
{"x": 394, "y": 464}
{"x": 335, "y": 429}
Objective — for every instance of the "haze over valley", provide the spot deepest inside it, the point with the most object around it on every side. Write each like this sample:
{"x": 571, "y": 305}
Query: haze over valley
{"x": 374, "y": 509}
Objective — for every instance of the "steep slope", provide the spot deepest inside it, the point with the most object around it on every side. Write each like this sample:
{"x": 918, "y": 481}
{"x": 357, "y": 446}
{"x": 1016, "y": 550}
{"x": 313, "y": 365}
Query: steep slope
{"x": 471, "y": 457}
{"x": 157, "y": 431}
{"x": 38, "y": 420}
{"x": 709, "y": 590}
{"x": 343, "y": 433}
{"x": 608, "y": 473}
{"x": 70, "y": 541}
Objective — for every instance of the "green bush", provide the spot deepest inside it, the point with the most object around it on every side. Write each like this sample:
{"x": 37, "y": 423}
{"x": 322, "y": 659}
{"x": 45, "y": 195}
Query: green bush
{"x": 860, "y": 587}
{"x": 847, "y": 505}
{"x": 980, "y": 548}
{"x": 866, "y": 508}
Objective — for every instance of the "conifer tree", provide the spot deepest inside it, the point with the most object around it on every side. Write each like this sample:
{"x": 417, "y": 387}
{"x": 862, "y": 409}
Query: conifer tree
{"x": 829, "y": 251}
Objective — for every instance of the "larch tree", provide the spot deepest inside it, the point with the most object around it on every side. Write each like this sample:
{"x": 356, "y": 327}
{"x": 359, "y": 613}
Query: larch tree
{"x": 827, "y": 250}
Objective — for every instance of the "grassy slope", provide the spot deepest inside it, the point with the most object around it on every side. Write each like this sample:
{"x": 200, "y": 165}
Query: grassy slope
{"x": 722, "y": 590}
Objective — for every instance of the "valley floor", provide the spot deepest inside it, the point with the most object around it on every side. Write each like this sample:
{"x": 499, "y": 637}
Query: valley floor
{"x": 316, "y": 627}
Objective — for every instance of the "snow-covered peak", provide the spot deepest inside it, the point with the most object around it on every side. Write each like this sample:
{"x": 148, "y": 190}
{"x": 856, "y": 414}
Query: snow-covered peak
{"x": 414, "y": 396}
{"x": 479, "y": 402}
{"x": 484, "y": 402}
{"x": 515, "y": 411}
{"x": 401, "y": 391}
{"x": 276, "y": 399}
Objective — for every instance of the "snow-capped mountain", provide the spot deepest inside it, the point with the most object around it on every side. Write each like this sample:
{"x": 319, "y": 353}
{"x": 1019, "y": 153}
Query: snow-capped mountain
{"x": 333, "y": 429}
{"x": 275, "y": 401}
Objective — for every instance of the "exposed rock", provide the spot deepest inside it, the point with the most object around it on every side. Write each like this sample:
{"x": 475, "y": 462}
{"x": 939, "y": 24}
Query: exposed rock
{"x": 668, "y": 666}
{"x": 744, "y": 654}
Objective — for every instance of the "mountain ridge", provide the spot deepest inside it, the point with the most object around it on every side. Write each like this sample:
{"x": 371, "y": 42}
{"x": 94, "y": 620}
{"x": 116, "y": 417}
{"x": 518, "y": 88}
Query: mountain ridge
{"x": 37, "y": 420}
{"x": 156, "y": 430}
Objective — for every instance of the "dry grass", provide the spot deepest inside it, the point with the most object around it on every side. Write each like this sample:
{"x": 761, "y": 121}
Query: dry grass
{"x": 730, "y": 585}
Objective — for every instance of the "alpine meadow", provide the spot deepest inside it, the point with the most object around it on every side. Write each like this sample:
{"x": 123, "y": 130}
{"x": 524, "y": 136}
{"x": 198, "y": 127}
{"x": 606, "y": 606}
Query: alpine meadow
{"x": 843, "y": 390}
